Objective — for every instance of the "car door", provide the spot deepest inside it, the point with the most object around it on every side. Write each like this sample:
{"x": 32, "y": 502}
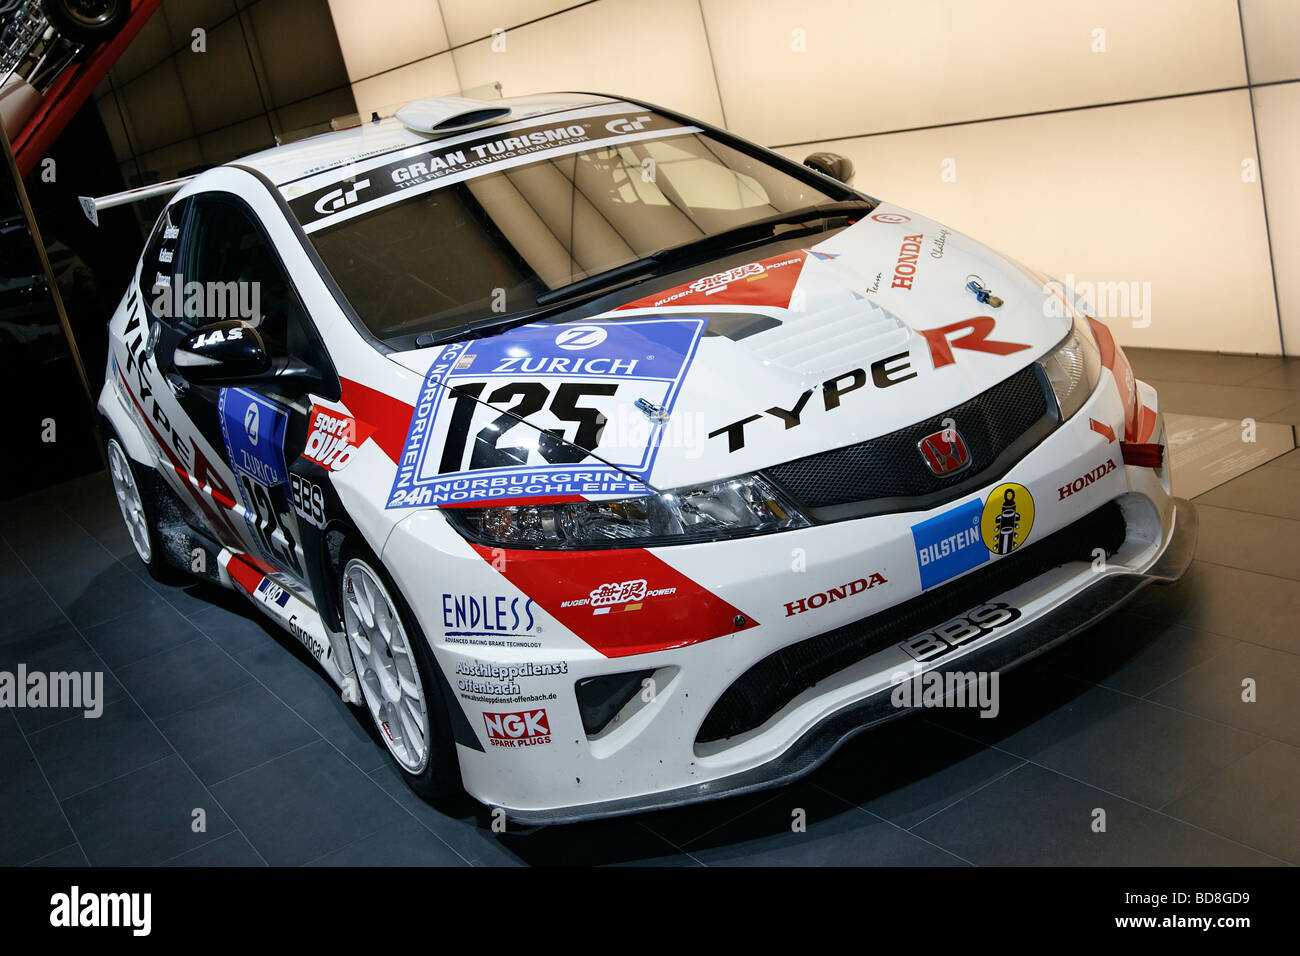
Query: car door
{"x": 228, "y": 269}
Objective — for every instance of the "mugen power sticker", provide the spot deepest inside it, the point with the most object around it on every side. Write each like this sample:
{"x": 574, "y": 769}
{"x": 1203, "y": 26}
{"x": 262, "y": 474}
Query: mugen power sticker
{"x": 524, "y": 414}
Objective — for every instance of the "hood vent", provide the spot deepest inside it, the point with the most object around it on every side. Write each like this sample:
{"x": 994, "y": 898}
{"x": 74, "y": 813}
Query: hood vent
{"x": 834, "y": 338}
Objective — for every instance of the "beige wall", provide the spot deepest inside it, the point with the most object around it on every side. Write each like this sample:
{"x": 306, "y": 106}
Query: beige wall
{"x": 1107, "y": 140}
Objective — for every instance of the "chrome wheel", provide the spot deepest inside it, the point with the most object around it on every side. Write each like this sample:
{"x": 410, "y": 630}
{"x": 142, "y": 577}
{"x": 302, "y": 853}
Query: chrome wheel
{"x": 128, "y": 499}
{"x": 385, "y": 665}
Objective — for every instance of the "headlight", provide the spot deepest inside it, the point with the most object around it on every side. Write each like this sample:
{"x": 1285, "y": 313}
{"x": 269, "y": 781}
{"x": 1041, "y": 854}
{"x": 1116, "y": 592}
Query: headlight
{"x": 1073, "y": 369}
{"x": 723, "y": 509}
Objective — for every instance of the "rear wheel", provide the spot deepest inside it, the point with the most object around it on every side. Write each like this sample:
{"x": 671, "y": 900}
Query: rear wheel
{"x": 87, "y": 21}
{"x": 397, "y": 676}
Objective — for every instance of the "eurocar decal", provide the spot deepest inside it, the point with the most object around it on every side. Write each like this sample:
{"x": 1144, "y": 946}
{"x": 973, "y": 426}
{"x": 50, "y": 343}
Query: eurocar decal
{"x": 373, "y": 186}
{"x": 768, "y": 282}
{"x": 468, "y": 440}
{"x": 674, "y": 611}
{"x": 949, "y": 544}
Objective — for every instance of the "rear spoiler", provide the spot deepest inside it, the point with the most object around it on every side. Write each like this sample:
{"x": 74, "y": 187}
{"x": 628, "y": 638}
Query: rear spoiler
{"x": 91, "y": 205}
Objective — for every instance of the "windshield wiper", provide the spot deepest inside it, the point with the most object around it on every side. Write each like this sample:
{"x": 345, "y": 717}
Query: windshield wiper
{"x": 601, "y": 283}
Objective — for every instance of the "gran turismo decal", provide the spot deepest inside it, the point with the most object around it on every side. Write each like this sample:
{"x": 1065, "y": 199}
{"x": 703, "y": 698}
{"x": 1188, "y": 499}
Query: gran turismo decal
{"x": 468, "y": 440}
{"x": 949, "y": 544}
{"x": 441, "y": 164}
{"x": 1007, "y": 518}
{"x": 1084, "y": 480}
{"x": 822, "y": 598}
{"x": 527, "y": 728}
{"x": 947, "y": 637}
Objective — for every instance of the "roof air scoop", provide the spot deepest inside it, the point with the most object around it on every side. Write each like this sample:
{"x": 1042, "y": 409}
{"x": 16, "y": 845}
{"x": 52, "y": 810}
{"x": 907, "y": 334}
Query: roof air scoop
{"x": 446, "y": 114}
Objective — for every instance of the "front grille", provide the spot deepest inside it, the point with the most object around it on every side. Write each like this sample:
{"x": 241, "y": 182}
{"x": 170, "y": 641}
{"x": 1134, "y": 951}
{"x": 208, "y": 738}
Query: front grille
{"x": 763, "y": 690}
{"x": 999, "y": 426}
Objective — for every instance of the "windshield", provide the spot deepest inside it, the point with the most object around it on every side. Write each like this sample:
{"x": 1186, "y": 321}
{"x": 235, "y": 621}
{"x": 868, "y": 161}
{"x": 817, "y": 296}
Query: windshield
{"x": 487, "y": 245}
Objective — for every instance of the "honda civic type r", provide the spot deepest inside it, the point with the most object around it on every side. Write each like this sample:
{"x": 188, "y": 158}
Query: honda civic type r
{"x": 611, "y": 461}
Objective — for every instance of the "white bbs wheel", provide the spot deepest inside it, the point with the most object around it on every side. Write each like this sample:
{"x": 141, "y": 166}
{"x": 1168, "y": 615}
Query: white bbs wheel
{"x": 129, "y": 500}
{"x": 386, "y": 666}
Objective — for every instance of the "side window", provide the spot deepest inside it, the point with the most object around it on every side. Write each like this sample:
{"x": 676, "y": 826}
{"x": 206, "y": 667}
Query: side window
{"x": 159, "y": 261}
{"x": 230, "y": 271}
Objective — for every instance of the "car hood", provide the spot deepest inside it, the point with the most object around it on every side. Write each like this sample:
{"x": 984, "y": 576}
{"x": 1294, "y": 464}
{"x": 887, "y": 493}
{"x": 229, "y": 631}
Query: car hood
{"x": 868, "y": 331}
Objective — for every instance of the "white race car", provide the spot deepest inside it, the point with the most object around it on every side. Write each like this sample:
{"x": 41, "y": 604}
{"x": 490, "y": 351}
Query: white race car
{"x": 614, "y": 462}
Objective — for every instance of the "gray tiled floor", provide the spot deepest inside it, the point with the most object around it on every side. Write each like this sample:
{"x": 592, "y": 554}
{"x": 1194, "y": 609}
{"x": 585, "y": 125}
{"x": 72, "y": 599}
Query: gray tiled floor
{"x": 209, "y": 708}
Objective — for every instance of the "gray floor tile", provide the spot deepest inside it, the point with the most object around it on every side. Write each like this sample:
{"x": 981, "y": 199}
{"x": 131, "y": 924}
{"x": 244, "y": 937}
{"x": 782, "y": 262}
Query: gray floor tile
{"x": 404, "y": 843}
{"x": 229, "y": 850}
{"x": 140, "y": 634}
{"x": 254, "y": 727}
{"x": 81, "y": 753}
{"x": 1234, "y": 538}
{"x": 1214, "y": 690}
{"x": 1252, "y": 802}
{"x": 181, "y": 677}
{"x": 305, "y": 804}
{"x": 1034, "y": 817}
{"x": 145, "y": 817}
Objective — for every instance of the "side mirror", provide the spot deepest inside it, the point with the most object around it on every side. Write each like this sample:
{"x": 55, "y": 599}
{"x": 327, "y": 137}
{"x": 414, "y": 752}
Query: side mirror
{"x": 222, "y": 353}
{"x": 833, "y": 165}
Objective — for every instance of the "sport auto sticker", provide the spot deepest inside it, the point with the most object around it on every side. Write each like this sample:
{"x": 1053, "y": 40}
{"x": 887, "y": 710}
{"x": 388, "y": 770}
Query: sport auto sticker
{"x": 961, "y": 539}
{"x": 467, "y": 444}
{"x": 253, "y": 429}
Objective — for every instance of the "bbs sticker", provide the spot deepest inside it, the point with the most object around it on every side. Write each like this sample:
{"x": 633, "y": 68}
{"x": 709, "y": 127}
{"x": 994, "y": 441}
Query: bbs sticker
{"x": 523, "y": 413}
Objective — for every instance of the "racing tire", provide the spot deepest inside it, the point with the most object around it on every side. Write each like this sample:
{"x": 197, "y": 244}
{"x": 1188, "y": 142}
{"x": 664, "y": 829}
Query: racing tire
{"x": 87, "y": 21}
{"x": 399, "y": 682}
{"x": 135, "y": 489}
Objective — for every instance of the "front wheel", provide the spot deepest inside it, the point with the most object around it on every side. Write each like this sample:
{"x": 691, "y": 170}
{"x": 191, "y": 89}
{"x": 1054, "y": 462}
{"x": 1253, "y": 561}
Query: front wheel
{"x": 128, "y": 484}
{"x": 398, "y": 677}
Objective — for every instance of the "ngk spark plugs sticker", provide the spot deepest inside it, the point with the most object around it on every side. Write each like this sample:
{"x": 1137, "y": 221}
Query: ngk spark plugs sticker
{"x": 527, "y": 728}
{"x": 525, "y": 414}
{"x": 253, "y": 429}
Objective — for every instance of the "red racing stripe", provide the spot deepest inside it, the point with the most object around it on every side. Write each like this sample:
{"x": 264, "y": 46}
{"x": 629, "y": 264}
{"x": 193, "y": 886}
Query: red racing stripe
{"x": 389, "y": 417}
{"x": 658, "y": 608}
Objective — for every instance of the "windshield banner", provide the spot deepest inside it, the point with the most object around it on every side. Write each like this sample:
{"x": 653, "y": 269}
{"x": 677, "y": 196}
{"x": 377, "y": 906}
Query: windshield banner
{"x": 423, "y": 168}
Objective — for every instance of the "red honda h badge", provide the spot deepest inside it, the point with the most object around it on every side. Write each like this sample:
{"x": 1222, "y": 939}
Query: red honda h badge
{"x": 944, "y": 451}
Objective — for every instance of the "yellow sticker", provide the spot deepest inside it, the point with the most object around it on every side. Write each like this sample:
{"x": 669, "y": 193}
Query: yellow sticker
{"x": 1008, "y": 517}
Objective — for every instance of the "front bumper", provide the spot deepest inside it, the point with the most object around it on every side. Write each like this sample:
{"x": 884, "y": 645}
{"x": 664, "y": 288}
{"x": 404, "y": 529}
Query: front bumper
{"x": 513, "y": 648}
{"x": 1043, "y": 632}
